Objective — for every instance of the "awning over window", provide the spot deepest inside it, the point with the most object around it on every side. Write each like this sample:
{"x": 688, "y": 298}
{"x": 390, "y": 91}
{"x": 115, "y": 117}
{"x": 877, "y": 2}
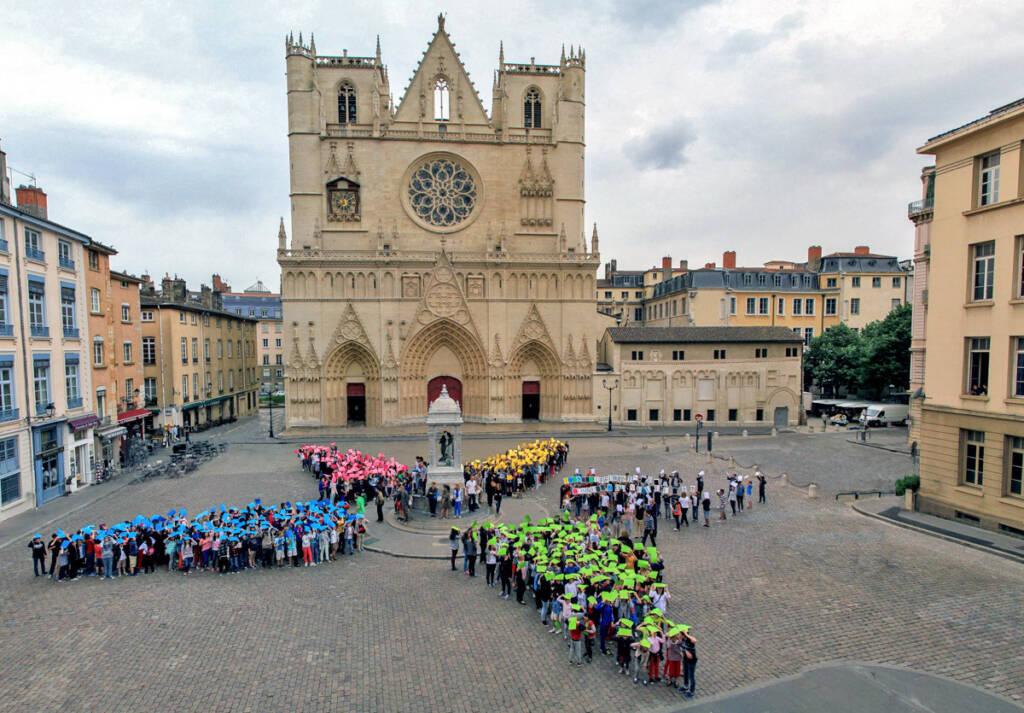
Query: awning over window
{"x": 133, "y": 415}
{"x": 84, "y": 422}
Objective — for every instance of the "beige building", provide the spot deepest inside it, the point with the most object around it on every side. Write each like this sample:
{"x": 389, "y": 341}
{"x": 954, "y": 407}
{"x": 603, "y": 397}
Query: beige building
{"x": 921, "y": 213}
{"x": 972, "y": 418}
{"x": 436, "y": 243}
{"x": 204, "y": 368}
{"x": 726, "y": 376}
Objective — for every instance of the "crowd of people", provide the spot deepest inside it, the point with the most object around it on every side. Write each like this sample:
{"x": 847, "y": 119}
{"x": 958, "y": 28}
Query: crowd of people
{"x": 600, "y": 592}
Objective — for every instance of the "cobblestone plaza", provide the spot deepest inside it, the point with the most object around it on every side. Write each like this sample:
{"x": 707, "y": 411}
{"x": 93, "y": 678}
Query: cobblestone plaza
{"x": 770, "y": 592}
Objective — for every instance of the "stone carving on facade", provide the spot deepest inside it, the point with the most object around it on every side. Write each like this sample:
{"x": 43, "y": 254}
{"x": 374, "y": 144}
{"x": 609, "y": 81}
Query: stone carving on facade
{"x": 442, "y": 296}
{"x": 536, "y": 193}
{"x": 350, "y": 329}
{"x": 497, "y": 360}
{"x": 475, "y": 286}
{"x": 410, "y": 286}
{"x": 533, "y": 329}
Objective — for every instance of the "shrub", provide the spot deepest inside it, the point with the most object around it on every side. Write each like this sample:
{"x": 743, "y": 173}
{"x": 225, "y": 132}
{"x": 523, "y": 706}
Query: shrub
{"x": 911, "y": 482}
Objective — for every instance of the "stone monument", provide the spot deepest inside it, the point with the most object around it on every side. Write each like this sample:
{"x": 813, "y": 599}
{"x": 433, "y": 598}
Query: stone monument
{"x": 444, "y": 432}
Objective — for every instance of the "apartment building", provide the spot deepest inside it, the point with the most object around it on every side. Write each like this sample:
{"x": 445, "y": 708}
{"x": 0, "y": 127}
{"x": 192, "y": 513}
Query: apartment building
{"x": 971, "y": 430}
{"x": 203, "y": 367}
{"x": 259, "y": 302}
{"x": 46, "y": 421}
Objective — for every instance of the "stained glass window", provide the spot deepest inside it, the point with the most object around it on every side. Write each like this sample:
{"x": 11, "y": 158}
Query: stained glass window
{"x": 442, "y": 192}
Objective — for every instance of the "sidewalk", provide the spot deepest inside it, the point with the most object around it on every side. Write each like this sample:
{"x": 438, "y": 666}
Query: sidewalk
{"x": 891, "y": 510}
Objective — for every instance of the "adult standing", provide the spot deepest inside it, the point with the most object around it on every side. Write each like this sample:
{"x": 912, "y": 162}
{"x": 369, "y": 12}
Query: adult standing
{"x": 689, "y": 665}
{"x": 761, "y": 483}
{"x": 38, "y": 548}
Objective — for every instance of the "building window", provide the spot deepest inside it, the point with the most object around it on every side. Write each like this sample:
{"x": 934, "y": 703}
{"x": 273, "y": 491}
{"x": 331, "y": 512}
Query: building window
{"x": 127, "y": 352}
{"x": 181, "y": 317}
{"x": 687, "y": 416}
{"x": 206, "y": 349}
{"x": 876, "y": 281}
{"x": 1015, "y": 462}
{"x": 220, "y": 349}
{"x": 719, "y": 354}
{"x": 71, "y": 381}
{"x": 988, "y": 179}
{"x": 1018, "y": 381}
{"x": 266, "y": 360}
{"x": 895, "y": 303}
{"x": 678, "y": 355}
{"x": 184, "y": 350}
{"x": 97, "y": 351}
{"x": 792, "y": 351}
{"x": 67, "y": 311}
{"x": 762, "y": 279}
{"x": 277, "y": 343}
{"x": 41, "y": 384}
{"x": 974, "y": 457}
{"x": 781, "y": 306}
{"x": 37, "y": 309}
{"x": 759, "y": 414}
{"x": 762, "y": 305}
{"x": 808, "y": 334}
{"x": 149, "y": 390}
{"x": 195, "y": 350}
{"x": 7, "y": 410}
{"x": 147, "y": 316}
{"x": 855, "y": 282}
{"x": 64, "y": 255}
{"x": 855, "y": 305}
{"x": 184, "y": 388}
{"x": 442, "y": 100}
{"x": 809, "y": 306}
{"x": 732, "y": 305}
{"x": 149, "y": 351}
{"x": 830, "y": 282}
{"x": 346, "y": 104}
{"x": 677, "y": 414}
{"x": 830, "y": 306}
{"x": 126, "y": 313}
{"x": 638, "y": 314}
{"x": 711, "y": 414}
{"x": 230, "y": 348}
{"x": 231, "y": 380}
{"x": 733, "y": 414}
{"x": 977, "y": 365}
{"x": 94, "y": 260}
{"x": 637, "y": 355}
{"x": 896, "y": 282}
{"x": 220, "y": 382}
{"x": 751, "y": 305}
{"x": 653, "y": 414}
{"x": 639, "y": 295}
{"x": 33, "y": 245}
{"x": 192, "y": 318}
{"x": 984, "y": 259}
{"x": 761, "y": 353}
{"x": 195, "y": 385}
{"x": 777, "y": 280}
{"x": 531, "y": 109}
{"x": 631, "y": 414}
{"x": 10, "y": 474}
{"x": 266, "y": 343}
{"x": 277, "y": 360}
{"x": 798, "y": 306}
{"x": 129, "y": 393}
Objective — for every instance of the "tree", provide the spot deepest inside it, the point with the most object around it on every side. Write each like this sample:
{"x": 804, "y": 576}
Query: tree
{"x": 836, "y": 358}
{"x": 887, "y": 351}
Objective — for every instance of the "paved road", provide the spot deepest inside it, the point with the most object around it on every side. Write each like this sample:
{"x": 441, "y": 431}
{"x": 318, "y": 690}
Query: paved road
{"x": 768, "y": 593}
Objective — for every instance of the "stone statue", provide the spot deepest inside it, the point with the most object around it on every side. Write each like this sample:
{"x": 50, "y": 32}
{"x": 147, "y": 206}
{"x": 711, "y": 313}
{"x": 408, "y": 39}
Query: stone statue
{"x": 445, "y": 444}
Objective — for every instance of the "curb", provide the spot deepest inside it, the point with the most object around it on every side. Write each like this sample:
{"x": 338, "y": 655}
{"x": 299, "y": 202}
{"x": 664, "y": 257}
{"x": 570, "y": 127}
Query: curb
{"x": 401, "y": 555}
{"x": 942, "y": 536}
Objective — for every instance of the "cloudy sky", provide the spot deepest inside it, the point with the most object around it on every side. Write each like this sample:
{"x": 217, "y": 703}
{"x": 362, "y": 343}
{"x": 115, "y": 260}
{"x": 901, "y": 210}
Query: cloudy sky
{"x": 752, "y": 125}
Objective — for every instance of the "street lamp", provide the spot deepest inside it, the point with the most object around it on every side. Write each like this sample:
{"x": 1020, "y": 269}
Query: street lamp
{"x": 604, "y": 383}
{"x": 50, "y": 410}
{"x": 270, "y": 395}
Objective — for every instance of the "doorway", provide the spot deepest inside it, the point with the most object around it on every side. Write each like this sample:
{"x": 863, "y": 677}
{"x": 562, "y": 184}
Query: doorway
{"x": 355, "y": 398}
{"x": 531, "y": 400}
{"x": 453, "y": 385}
{"x": 781, "y": 416}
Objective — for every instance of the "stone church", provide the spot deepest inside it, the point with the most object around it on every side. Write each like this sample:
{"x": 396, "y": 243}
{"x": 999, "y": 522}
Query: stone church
{"x": 434, "y": 243}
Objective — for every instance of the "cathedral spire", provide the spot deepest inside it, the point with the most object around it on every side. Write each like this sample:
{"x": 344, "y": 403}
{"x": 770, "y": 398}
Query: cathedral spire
{"x": 501, "y": 55}
{"x": 563, "y": 54}
{"x": 378, "y": 50}
{"x": 312, "y": 44}
{"x": 282, "y": 237}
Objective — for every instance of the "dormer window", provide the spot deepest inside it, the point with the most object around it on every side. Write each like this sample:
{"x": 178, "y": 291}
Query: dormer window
{"x": 531, "y": 109}
{"x": 346, "y": 104}
{"x": 442, "y": 100}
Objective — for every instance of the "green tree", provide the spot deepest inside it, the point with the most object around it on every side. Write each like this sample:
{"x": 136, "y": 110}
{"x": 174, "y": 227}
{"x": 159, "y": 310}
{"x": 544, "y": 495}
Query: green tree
{"x": 887, "y": 351}
{"x": 835, "y": 359}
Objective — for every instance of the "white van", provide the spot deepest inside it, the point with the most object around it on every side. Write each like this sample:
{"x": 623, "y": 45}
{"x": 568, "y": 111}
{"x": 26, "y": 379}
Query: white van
{"x": 887, "y": 414}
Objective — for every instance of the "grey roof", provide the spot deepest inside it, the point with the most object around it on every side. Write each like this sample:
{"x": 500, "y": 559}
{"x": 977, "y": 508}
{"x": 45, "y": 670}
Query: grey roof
{"x": 701, "y": 335}
{"x": 851, "y": 262}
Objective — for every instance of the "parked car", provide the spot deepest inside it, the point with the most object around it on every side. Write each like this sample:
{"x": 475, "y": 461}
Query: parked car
{"x": 887, "y": 414}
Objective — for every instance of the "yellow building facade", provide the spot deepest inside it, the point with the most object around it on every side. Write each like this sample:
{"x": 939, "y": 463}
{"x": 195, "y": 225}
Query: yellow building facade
{"x": 972, "y": 417}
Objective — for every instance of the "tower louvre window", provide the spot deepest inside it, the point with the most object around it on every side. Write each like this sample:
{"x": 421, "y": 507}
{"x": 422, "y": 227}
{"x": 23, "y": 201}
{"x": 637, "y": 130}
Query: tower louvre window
{"x": 346, "y": 104}
{"x": 531, "y": 109}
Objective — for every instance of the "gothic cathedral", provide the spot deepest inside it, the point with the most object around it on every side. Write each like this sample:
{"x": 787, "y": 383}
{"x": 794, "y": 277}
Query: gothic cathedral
{"x": 434, "y": 244}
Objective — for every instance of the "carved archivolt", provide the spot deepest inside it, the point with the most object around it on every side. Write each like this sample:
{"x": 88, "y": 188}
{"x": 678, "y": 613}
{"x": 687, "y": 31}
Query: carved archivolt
{"x": 350, "y": 329}
{"x": 533, "y": 329}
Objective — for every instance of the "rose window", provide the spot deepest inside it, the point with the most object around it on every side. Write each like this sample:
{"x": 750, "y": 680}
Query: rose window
{"x": 442, "y": 192}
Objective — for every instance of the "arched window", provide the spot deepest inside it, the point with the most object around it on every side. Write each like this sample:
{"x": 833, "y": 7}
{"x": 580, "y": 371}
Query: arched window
{"x": 442, "y": 100}
{"x": 346, "y": 104}
{"x": 531, "y": 109}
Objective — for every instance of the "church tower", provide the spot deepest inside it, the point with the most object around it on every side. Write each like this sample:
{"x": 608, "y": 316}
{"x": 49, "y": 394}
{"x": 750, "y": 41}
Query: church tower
{"x": 436, "y": 244}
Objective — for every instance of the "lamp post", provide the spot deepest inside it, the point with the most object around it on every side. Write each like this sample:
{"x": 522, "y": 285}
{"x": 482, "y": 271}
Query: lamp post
{"x": 270, "y": 394}
{"x": 604, "y": 383}
{"x": 50, "y": 410}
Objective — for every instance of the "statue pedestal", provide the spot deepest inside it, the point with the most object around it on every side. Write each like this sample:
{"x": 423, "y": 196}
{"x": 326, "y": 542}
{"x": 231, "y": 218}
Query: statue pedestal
{"x": 444, "y": 436}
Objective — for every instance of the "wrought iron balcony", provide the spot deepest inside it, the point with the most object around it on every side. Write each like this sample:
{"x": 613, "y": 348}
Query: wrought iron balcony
{"x": 150, "y": 401}
{"x": 3, "y": 246}
{"x": 6, "y": 330}
{"x": 920, "y": 207}
{"x": 66, "y": 262}
{"x": 74, "y": 402}
{"x": 39, "y": 330}
{"x": 35, "y": 254}
{"x": 71, "y": 332}
{"x": 10, "y": 414}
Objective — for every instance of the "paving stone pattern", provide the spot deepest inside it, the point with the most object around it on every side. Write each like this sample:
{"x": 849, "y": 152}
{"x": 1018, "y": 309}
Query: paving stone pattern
{"x": 781, "y": 587}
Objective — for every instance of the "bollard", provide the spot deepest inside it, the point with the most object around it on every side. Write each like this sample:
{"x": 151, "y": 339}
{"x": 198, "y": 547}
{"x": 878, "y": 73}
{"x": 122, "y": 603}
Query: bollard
{"x": 812, "y": 491}
{"x": 732, "y": 461}
{"x": 775, "y": 432}
{"x": 908, "y": 500}
{"x": 783, "y": 479}
{"x": 744, "y": 433}
{"x": 810, "y": 428}
{"x": 666, "y": 448}
{"x": 711, "y": 458}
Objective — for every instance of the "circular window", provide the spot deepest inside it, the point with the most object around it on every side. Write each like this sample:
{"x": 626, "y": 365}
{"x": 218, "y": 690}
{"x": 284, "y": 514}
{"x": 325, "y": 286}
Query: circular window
{"x": 442, "y": 193}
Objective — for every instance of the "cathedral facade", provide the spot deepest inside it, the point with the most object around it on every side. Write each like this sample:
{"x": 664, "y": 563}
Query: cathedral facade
{"x": 436, "y": 244}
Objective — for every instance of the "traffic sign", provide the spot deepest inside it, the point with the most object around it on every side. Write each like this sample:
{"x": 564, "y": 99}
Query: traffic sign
{"x": 699, "y": 418}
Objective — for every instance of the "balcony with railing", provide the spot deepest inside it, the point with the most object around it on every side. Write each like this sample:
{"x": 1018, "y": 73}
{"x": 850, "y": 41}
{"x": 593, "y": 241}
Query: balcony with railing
{"x": 71, "y": 333}
{"x": 3, "y": 246}
{"x": 6, "y": 330}
{"x": 66, "y": 262}
{"x": 39, "y": 330}
{"x": 9, "y": 414}
{"x": 918, "y": 208}
{"x": 74, "y": 402}
{"x": 150, "y": 401}
{"x": 35, "y": 254}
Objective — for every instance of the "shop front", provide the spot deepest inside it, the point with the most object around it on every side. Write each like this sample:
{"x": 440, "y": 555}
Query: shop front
{"x": 81, "y": 461}
{"x": 48, "y": 460}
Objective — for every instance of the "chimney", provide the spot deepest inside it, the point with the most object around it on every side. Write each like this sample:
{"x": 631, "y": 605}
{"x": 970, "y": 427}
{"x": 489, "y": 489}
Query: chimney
{"x": 179, "y": 291}
{"x": 219, "y": 285}
{"x": 615, "y": 265}
{"x": 684, "y": 265}
{"x": 813, "y": 253}
{"x": 666, "y": 263}
{"x": 729, "y": 259}
{"x": 206, "y": 295}
{"x": 862, "y": 250}
{"x": 32, "y": 200}
{"x": 167, "y": 288}
{"x": 709, "y": 266}
{"x": 5, "y": 185}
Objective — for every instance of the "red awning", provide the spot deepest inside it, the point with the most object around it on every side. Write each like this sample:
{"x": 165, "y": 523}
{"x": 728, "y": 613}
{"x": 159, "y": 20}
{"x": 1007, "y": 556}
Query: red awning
{"x": 133, "y": 415}
{"x": 80, "y": 424}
